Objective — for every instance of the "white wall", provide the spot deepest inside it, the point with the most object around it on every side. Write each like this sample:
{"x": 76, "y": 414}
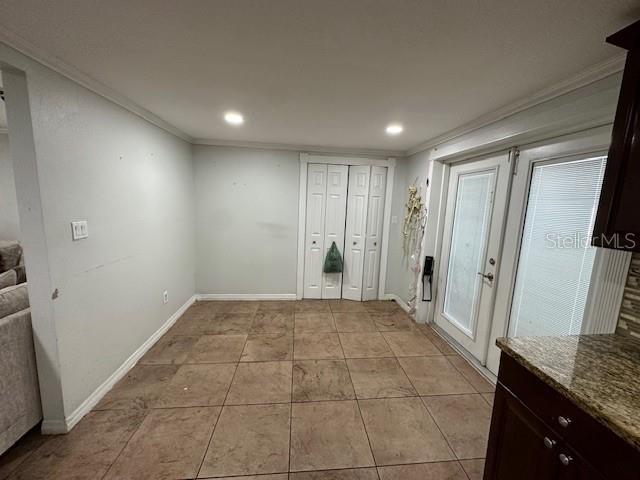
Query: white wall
{"x": 588, "y": 106}
{"x": 409, "y": 171}
{"x": 9, "y": 223}
{"x": 246, "y": 220}
{"x": 581, "y": 109}
{"x": 133, "y": 182}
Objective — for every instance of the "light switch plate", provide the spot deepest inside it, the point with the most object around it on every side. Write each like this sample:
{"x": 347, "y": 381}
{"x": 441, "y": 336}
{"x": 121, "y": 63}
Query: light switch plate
{"x": 79, "y": 230}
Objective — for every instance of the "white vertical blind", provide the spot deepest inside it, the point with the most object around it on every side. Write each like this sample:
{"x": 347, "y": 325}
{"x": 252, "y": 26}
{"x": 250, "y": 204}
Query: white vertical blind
{"x": 556, "y": 257}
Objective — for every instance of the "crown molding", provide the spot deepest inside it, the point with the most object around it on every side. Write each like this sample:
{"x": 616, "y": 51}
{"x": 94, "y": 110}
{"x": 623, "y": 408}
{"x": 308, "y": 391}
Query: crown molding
{"x": 63, "y": 68}
{"x": 368, "y": 152}
{"x": 586, "y": 77}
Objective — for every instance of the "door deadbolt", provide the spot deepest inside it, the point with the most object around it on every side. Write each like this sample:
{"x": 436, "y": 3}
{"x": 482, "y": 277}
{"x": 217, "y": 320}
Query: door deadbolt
{"x": 492, "y": 261}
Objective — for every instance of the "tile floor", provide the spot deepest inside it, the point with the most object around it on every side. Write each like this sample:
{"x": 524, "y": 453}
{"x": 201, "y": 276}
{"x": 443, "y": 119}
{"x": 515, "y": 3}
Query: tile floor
{"x": 280, "y": 390}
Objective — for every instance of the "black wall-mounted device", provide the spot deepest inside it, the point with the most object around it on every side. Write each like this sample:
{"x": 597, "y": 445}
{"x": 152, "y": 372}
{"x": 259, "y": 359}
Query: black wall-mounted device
{"x": 427, "y": 272}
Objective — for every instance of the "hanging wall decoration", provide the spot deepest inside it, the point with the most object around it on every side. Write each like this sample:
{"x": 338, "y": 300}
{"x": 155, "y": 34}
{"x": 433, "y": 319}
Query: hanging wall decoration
{"x": 413, "y": 230}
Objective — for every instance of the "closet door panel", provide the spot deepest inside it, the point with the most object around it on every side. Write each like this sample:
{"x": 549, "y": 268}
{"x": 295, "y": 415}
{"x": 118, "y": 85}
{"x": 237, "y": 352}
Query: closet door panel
{"x": 373, "y": 243}
{"x": 336, "y": 210}
{"x": 356, "y": 230}
{"x": 314, "y": 230}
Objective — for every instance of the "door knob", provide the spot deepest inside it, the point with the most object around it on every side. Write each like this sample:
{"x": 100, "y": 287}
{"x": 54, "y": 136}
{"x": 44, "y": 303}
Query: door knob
{"x": 548, "y": 443}
{"x": 355, "y": 243}
{"x": 314, "y": 242}
{"x": 488, "y": 276}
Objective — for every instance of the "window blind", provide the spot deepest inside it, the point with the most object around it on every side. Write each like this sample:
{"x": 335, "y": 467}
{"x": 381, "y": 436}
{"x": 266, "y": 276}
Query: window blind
{"x": 556, "y": 257}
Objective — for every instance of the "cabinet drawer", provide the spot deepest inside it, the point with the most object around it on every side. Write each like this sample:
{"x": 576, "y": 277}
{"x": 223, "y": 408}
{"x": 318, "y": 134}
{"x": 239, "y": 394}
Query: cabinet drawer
{"x": 607, "y": 452}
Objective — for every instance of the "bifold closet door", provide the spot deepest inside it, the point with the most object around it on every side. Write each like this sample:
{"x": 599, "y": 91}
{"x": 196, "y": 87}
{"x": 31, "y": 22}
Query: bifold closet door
{"x": 373, "y": 242}
{"x": 356, "y": 229}
{"x": 314, "y": 230}
{"x": 336, "y": 210}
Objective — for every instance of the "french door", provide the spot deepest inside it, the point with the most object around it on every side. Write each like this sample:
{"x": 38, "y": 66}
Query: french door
{"x": 548, "y": 266}
{"x": 472, "y": 238}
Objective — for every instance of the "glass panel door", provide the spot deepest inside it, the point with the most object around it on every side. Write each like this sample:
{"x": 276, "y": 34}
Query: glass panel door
{"x": 472, "y": 215}
{"x": 556, "y": 257}
{"x": 475, "y": 209}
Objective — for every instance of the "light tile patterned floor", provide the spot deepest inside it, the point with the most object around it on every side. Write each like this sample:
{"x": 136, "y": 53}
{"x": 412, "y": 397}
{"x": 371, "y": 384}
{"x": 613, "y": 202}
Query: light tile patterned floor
{"x": 304, "y": 390}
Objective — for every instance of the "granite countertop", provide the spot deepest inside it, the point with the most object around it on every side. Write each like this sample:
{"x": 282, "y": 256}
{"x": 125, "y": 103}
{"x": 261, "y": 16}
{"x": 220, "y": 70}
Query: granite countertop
{"x": 599, "y": 373}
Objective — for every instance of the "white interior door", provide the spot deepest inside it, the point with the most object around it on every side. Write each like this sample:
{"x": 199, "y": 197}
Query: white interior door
{"x": 356, "y": 229}
{"x": 472, "y": 238}
{"x": 373, "y": 242}
{"x": 334, "y": 225}
{"x": 314, "y": 231}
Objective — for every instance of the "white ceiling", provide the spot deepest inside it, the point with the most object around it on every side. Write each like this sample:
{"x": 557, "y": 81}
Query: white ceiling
{"x": 323, "y": 72}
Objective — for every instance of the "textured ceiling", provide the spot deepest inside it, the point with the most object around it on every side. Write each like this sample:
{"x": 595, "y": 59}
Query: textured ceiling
{"x": 323, "y": 72}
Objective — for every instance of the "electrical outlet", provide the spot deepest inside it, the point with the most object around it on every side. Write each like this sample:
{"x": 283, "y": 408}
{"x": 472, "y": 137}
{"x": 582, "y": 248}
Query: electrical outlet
{"x": 79, "y": 230}
{"x": 165, "y": 297}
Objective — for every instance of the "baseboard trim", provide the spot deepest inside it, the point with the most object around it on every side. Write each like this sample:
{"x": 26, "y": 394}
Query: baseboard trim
{"x": 53, "y": 427}
{"x": 246, "y": 296}
{"x": 398, "y": 300}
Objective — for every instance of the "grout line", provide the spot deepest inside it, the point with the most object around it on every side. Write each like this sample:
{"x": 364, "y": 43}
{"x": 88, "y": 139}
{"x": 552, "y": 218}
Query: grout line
{"x": 440, "y": 430}
{"x": 364, "y": 425}
{"x": 293, "y": 356}
{"x": 45, "y": 440}
{"x": 126, "y": 444}
{"x": 297, "y": 401}
{"x": 424, "y": 405}
{"x": 373, "y": 467}
{"x": 221, "y": 410}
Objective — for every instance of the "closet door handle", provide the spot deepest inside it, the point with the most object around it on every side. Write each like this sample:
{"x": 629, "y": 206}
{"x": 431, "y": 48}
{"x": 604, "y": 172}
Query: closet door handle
{"x": 355, "y": 243}
{"x": 313, "y": 243}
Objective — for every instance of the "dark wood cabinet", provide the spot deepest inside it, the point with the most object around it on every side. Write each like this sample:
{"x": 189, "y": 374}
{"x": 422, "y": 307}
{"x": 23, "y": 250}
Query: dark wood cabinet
{"x": 532, "y": 456}
{"x": 537, "y": 434}
{"x": 617, "y": 222}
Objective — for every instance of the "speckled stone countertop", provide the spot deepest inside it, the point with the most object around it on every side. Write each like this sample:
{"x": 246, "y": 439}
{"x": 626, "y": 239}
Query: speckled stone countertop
{"x": 599, "y": 373}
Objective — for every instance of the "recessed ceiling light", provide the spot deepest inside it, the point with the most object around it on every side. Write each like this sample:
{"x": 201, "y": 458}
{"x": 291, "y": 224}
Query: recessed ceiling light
{"x": 233, "y": 118}
{"x": 394, "y": 129}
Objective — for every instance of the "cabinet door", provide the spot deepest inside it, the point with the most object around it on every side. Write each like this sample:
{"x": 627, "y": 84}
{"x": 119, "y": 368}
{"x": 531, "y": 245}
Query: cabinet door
{"x": 574, "y": 467}
{"x": 520, "y": 446}
{"x": 617, "y": 223}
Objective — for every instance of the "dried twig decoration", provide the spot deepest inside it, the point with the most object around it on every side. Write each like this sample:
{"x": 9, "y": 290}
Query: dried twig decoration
{"x": 413, "y": 230}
